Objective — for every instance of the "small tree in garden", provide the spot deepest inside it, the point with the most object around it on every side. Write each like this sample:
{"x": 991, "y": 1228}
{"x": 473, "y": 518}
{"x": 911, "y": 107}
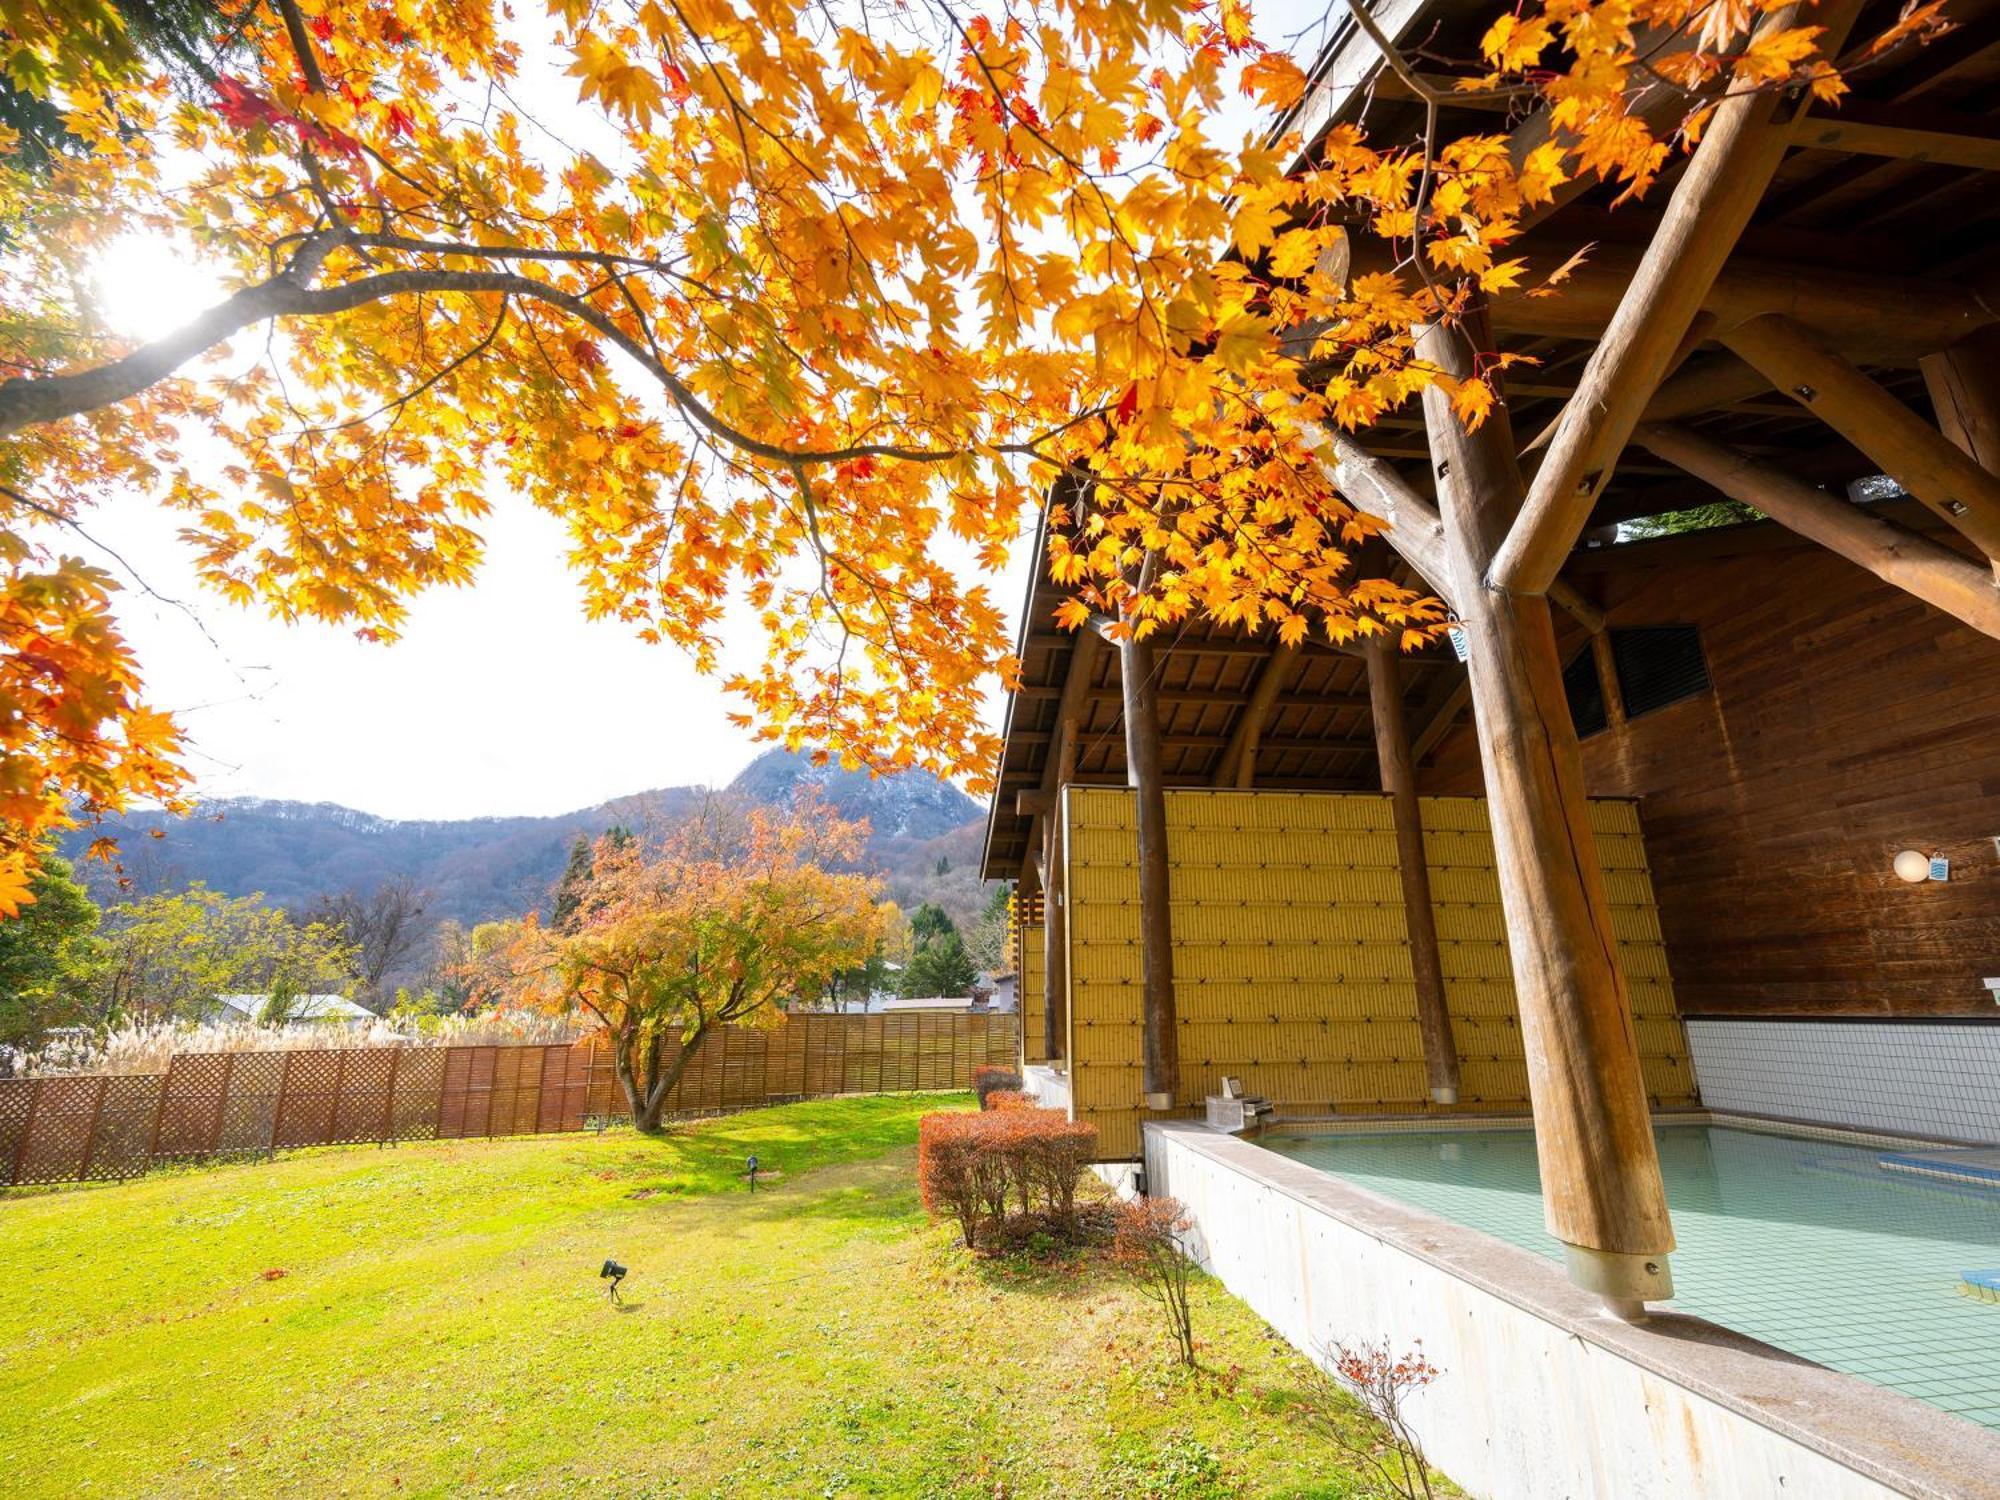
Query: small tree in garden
{"x": 722, "y": 922}
{"x": 1148, "y": 1245}
{"x": 1383, "y": 1382}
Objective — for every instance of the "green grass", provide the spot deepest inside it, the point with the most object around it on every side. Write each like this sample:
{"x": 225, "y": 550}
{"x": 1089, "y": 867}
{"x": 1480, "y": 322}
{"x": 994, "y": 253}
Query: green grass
{"x": 439, "y": 1329}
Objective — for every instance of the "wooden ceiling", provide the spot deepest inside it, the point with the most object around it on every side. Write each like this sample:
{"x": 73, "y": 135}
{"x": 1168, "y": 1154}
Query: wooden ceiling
{"x": 1880, "y": 233}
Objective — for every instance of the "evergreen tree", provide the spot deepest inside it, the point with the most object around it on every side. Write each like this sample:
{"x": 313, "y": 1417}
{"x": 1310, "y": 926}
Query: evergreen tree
{"x": 939, "y": 964}
{"x": 48, "y": 957}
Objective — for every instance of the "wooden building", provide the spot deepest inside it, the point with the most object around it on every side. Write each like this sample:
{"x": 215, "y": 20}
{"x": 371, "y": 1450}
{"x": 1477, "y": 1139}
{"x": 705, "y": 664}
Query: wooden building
{"x": 1803, "y": 314}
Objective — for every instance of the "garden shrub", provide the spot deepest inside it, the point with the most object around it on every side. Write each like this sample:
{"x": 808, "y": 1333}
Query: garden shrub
{"x": 945, "y": 1177}
{"x": 991, "y": 1077}
{"x": 1010, "y": 1099}
{"x": 1003, "y": 1170}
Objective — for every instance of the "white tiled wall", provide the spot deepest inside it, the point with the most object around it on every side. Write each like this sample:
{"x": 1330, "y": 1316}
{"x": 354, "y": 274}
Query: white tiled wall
{"x": 1913, "y": 1078}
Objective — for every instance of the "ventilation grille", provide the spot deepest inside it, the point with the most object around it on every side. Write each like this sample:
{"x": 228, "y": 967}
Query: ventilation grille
{"x": 1657, "y": 665}
{"x": 1586, "y": 696}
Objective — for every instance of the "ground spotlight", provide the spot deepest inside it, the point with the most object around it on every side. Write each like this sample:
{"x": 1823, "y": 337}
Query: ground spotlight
{"x": 613, "y": 1273}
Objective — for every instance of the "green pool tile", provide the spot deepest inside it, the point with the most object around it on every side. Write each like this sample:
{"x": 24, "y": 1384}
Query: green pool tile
{"x": 1806, "y": 1244}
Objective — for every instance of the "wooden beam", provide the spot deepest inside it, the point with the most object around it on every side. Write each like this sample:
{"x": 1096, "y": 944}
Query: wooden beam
{"x": 1238, "y": 766}
{"x": 1207, "y": 697}
{"x": 1905, "y": 134}
{"x": 1908, "y": 448}
{"x": 1741, "y": 147}
{"x": 1919, "y": 566}
{"x": 1159, "y": 1029}
{"x": 1601, "y": 1185}
{"x": 1399, "y": 780}
{"x": 1374, "y": 489}
{"x": 1964, "y": 384}
{"x": 1870, "y": 316}
{"x": 1566, "y": 598}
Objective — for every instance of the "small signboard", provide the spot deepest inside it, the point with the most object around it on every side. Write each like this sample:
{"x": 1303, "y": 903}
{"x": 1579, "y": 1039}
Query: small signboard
{"x": 1940, "y": 867}
{"x": 1459, "y": 644}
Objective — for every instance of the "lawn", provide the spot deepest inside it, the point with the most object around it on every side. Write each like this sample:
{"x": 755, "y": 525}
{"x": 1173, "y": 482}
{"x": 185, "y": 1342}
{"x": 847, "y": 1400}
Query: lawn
{"x": 427, "y": 1320}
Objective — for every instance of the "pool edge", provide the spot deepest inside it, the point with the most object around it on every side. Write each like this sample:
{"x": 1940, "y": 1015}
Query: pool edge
{"x": 1899, "y": 1444}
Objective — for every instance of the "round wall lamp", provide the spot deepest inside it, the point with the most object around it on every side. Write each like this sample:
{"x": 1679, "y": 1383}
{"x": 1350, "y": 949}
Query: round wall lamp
{"x": 1913, "y": 865}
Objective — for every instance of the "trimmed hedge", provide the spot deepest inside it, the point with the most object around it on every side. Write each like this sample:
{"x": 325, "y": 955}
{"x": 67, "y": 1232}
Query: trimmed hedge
{"x": 993, "y": 1077}
{"x": 981, "y": 1170}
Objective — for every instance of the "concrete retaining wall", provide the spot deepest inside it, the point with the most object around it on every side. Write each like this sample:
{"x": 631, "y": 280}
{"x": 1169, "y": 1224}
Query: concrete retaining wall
{"x": 1543, "y": 1396}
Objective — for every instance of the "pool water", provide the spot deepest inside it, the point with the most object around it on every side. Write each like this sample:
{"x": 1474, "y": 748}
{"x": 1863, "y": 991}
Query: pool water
{"x": 1806, "y": 1244}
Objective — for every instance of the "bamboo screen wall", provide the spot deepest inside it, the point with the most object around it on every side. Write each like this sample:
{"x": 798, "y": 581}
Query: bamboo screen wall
{"x": 219, "y": 1104}
{"x": 1291, "y": 955}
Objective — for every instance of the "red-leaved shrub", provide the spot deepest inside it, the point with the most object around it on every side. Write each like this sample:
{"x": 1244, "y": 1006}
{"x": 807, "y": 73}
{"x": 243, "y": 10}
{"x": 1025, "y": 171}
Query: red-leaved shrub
{"x": 974, "y": 1167}
{"x": 990, "y": 1077}
{"x": 1010, "y": 1099}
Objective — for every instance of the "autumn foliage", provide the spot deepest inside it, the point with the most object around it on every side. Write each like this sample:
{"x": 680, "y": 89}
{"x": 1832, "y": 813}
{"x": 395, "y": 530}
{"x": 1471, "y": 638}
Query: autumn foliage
{"x": 721, "y": 921}
{"x": 799, "y": 309}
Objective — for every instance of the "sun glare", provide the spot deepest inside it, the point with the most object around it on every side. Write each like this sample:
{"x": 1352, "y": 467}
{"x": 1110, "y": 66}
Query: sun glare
{"x": 147, "y": 287}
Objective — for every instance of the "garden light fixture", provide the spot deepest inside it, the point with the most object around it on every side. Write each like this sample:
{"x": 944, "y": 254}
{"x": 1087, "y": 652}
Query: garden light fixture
{"x": 613, "y": 1273}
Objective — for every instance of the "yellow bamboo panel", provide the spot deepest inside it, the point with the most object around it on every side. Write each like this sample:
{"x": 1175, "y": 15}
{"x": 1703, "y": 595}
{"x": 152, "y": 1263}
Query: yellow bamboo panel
{"x": 1291, "y": 953}
{"x": 1032, "y": 988}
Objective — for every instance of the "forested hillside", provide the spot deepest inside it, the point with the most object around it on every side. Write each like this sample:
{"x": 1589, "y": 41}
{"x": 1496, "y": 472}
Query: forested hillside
{"x": 481, "y": 868}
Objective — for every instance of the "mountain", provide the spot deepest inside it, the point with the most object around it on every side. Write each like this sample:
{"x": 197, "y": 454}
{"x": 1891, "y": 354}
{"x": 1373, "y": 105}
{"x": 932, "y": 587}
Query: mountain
{"x": 482, "y": 868}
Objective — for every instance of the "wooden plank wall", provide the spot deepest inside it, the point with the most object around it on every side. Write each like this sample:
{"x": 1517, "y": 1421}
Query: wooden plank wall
{"x": 1848, "y": 722}
{"x": 1291, "y": 954}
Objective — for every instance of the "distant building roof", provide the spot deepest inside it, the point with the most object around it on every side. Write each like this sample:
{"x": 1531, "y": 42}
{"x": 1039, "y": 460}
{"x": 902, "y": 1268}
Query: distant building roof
{"x": 304, "y": 1008}
{"x": 930, "y": 1002}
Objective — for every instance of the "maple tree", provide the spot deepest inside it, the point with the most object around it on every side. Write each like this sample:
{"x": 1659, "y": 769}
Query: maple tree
{"x": 787, "y": 300}
{"x": 719, "y": 922}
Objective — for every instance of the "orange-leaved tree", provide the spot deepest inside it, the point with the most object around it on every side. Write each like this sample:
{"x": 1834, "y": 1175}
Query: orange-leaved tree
{"x": 722, "y": 921}
{"x": 803, "y": 306}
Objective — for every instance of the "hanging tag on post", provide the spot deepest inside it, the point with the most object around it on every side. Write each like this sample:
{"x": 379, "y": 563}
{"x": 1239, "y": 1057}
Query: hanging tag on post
{"x": 1461, "y": 647}
{"x": 1940, "y": 867}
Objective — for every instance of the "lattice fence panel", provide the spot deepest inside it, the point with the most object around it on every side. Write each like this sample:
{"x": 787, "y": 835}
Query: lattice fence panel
{"x": 250, "y": 1105}
{"x": 17, "y": 1099}
{"x": 455, "y": 1089}
{"x": 61, "y": 1118}
{"x": 191, "y": 1113}
{"x": 419, "y": 1090}
{"x": 128, "y": 1109}
{"x": 361, "y": 1107}
{"x": 308, "y": 1098}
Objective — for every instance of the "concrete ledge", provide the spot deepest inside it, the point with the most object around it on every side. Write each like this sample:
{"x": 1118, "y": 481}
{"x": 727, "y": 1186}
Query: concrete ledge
{"x": 1542, "y": 1393}
{"x": 1049, "y": 1088}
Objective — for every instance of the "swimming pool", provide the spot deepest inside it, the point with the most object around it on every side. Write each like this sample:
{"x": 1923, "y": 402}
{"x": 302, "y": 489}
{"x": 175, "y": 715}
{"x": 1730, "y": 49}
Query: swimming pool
{"x": 1807, "y": 1244}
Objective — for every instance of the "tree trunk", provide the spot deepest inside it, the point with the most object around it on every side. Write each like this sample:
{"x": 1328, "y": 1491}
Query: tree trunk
{"x": 1601, "y": 1187}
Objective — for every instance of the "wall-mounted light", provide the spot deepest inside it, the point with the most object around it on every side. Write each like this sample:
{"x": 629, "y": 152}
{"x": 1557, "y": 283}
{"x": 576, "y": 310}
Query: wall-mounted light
{"x": 1913, "y": 865}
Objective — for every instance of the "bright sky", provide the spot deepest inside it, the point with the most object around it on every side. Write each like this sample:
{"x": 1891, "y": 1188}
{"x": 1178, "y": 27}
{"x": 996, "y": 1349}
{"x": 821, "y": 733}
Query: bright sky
{"x": 500, "y": 698}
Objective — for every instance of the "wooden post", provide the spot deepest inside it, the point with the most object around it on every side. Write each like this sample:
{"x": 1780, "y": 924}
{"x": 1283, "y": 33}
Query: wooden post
{"x": 1161, "y": 1039}
{"x": 1964, "y": 382}
{"x": 1601, "y": 1187}
{"x": 1399, "y": 780}
{"x": 1908, "y": 448}
{"x": 1924, "y": 568}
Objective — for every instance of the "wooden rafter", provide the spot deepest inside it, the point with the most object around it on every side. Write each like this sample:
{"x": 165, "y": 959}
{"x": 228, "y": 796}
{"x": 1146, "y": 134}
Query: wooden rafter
{"x": 1912, "y": 452}
{"x": 1914, "y": 563}
{"x": 1238, "y": 765}
{"x": 1741, "y": 147}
